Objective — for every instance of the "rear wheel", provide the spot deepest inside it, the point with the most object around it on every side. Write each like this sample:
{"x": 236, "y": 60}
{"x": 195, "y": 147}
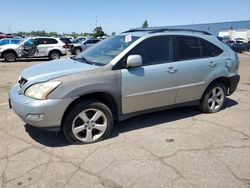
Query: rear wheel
{"x": 10, "y": 56}
{"x": 88, "y": 122}
{"x": 54, "y": 55}
{"x": 213, "y": 99}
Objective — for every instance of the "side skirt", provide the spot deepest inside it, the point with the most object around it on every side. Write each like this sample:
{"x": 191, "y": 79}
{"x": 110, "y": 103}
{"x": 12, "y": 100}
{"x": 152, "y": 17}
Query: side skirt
{"x": 133, "y": 114}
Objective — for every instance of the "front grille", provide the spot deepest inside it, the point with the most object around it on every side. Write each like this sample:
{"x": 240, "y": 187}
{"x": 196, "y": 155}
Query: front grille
{"x": 22, "y": 81}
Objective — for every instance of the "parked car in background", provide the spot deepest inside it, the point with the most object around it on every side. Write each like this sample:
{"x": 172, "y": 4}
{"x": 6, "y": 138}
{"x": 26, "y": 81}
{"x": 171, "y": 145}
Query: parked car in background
{"x": 244, "y": 45}
{"x": 136, "y": 72}
{"x": 2, "y": 36}
{"x": 79, "y": 47}
{"x": 238, "y": 47}
{"x": 66, "y": 41}
{"x": 239, "y": 40}
{"x": 7, "y": 35}
{"x": 10, "y": 41}
{"x": 34, "y": 47}
{"x": 79, "y": 39}
{"x": 230, "y": 42}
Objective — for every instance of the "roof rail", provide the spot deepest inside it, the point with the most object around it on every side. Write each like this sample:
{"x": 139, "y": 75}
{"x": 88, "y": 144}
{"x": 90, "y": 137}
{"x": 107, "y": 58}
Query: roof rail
{"x": 151, "y": 30}
{"x": 134, "y": 30}
{"x": 170, "y": 29}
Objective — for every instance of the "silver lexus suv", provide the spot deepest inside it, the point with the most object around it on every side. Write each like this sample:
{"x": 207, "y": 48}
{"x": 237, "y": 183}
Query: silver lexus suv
{"x": 135, "y": 72}
{"x": 34, "y": 47}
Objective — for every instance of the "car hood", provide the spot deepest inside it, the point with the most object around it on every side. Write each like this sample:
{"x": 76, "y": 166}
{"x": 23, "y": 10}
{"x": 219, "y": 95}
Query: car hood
{"x": 54, "y": 69}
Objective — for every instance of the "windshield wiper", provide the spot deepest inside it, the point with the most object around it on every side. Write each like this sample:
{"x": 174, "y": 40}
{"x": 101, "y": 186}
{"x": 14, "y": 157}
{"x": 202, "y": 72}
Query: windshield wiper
{"x": 85, "y": 60}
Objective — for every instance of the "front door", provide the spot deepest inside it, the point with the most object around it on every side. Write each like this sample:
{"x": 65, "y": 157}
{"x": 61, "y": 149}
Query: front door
{"x": 153, "y": 84}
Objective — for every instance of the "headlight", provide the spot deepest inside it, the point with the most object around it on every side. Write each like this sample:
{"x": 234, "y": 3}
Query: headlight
{"x": 41, "y": 90}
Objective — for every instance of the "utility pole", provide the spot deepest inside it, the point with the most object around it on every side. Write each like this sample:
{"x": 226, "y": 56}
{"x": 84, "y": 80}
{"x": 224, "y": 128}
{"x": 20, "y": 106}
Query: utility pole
{"x": 96, "y": 21}
{"x": 9, "y": 29}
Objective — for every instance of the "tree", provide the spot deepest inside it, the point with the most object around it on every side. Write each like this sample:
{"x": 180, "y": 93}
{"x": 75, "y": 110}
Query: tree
{"x": 98, "y": 32}
{"x": 145, "y": 24}
{"x": 113, "y": 33}
{"x": 52, "y": 34}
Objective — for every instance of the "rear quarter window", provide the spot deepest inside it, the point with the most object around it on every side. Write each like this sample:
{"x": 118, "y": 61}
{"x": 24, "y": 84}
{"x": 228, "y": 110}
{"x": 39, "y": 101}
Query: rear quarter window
{"x": 209, "y": 49}
{"x": 189, "y": 47}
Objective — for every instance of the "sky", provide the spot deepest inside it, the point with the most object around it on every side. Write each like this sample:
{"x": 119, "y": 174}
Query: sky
{"x": 65, "y": 16}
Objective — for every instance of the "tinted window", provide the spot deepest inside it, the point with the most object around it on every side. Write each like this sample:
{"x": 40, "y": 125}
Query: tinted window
{"x": 14, "y": 41}
{"x": 95, "y": 41}
{"x": 3, "y": 42}
{"x": 65, "y": 40}
{"x": 29, "y": 42}
{"x": 40, "y": 41}
{"x": 187, "y": 47}
{"x": 51, "y": 41}
{"x": 154, "y": 50}
{"x": 209, "y": 49}
{"x": 87, "y": 42}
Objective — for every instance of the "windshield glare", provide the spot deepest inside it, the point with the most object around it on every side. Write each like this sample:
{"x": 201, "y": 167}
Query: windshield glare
{"x": 103, "y": 52}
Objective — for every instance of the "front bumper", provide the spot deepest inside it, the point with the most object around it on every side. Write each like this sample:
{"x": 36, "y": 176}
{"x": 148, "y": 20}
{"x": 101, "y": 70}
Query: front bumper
{"x": 63, "y": 51}
{"x": 51, "y": 110}
{"x": 233, "y": 83}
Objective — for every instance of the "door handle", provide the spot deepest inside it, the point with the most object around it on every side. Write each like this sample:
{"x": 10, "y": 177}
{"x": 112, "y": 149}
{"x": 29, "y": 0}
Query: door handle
{"x": 212, "y": 64}
{"x": 172, "y": 70}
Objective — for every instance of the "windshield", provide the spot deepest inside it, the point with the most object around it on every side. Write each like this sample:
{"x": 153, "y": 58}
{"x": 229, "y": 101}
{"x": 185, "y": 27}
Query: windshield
{"x": 103, "y": 52}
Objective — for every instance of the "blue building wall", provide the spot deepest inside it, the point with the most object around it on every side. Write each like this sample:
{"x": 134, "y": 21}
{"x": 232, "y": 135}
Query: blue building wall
{"x": 213, "y": 28}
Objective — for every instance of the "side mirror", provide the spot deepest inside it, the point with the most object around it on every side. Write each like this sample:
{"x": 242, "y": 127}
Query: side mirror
{"x": 134, "y": 61}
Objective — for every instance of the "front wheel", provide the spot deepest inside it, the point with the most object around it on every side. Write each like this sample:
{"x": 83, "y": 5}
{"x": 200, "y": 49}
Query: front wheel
{"x": 10, "y": 57}
{"x": 88, "y": 122}
{"x": 213, "y": 99}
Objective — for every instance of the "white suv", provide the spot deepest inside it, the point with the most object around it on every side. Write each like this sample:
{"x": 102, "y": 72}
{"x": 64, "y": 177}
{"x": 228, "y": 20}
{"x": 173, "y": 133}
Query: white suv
{"x": 34, "y": 47}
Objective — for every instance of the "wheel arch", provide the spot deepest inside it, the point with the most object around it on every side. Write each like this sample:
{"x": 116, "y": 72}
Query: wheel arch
{"x": 8, "y": 50}
{"x": 224, "y": 80}
{"x": 102, "y": 97}
{"x": 55, "y": 50}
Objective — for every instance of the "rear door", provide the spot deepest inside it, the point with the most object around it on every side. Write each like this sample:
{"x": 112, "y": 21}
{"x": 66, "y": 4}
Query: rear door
{"x": 194, "y": 61}
{"x": 153, "y": 84}
{"x": 45, "y": 45}
{"x": 41, "y": 47}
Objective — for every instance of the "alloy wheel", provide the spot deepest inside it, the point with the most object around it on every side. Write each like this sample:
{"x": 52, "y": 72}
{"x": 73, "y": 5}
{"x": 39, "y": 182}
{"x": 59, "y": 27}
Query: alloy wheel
{"x": 216, "y": 98}
{"x": 10, "y": 57}
{"x": 89, "y": 125}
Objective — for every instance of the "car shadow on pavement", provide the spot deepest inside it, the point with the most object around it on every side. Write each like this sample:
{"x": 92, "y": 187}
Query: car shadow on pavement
{"x": 47, "y": 138}
{"x": 165, "y": 116}
{"x": 56, "y": 139}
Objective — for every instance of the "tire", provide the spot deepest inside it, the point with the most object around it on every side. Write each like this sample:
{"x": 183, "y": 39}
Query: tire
{"x": 54, "y": 55}
{"x": 213, "y": 98}
{"x": 80, "y": 124}
{"x": 9, "y": 57}
{"x": 77, "y": 51}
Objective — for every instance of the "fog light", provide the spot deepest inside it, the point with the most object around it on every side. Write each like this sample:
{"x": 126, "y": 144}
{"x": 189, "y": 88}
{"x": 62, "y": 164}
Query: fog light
{"x": 35, "y": 117}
